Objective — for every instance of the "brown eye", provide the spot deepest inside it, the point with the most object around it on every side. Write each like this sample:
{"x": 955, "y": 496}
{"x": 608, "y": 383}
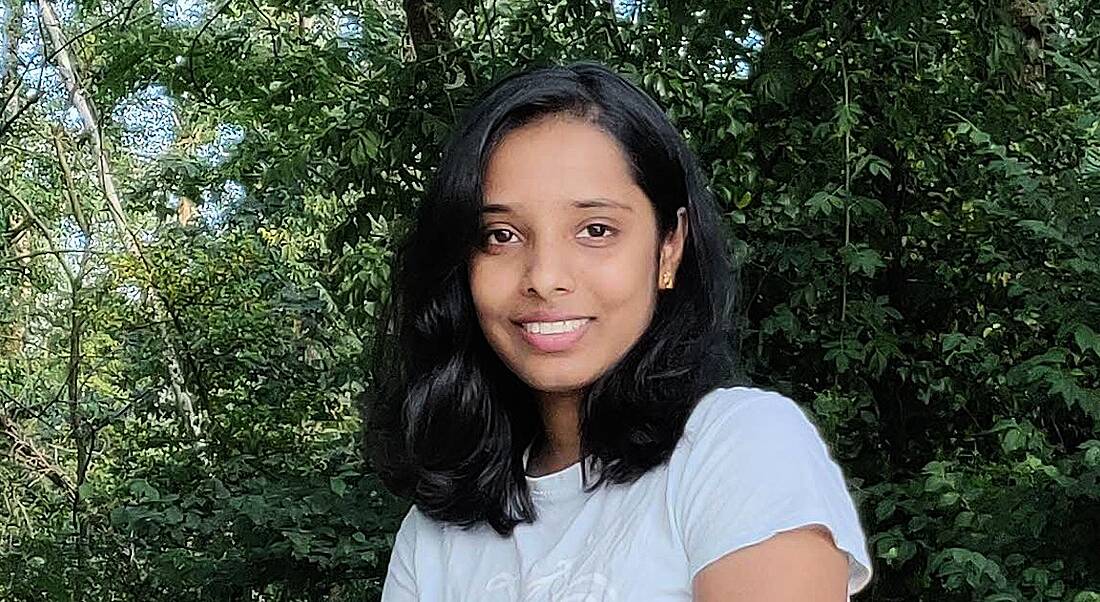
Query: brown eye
{"x": 599, "y": 230}
{"x": 498, "y": 236}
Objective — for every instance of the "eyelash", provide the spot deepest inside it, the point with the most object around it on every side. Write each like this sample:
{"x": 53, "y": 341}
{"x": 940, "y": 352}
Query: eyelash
{"x": 609, "y": 231}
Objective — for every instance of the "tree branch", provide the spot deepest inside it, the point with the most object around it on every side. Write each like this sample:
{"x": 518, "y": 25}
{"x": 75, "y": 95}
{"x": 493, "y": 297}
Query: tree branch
{"x": 25, "y": 453}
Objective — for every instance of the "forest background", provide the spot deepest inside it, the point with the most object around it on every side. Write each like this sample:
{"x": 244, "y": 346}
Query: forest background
{"x": 198, "y": 201}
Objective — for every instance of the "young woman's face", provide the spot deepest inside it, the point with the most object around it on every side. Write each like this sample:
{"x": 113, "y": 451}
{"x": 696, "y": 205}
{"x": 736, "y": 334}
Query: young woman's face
{"x": 567, "y": 237}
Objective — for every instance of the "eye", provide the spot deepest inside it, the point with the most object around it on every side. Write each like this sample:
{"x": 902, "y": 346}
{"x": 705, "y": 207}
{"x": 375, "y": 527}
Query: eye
{"x": 599, "y": 231}
{"x": 497, "y": 236}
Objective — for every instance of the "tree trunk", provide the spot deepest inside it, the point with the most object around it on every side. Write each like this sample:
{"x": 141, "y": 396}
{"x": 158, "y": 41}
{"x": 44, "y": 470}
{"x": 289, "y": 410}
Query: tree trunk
{"x": 11, "y": 105}
{"x": 76, "y": 427}
{"x": 431, "y": 37}
{"x": 190, "y": 420}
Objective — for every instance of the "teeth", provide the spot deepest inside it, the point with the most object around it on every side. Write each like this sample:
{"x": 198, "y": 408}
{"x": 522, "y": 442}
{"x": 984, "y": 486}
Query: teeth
{"x": 554, "y": 327}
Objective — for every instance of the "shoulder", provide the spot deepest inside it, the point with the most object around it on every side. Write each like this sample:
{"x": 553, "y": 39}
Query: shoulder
{"x": 415, "y": 527}
{"x": 750, "y": 464}
{"x": 750, "y": 438}
{"x": 746, "y": 415}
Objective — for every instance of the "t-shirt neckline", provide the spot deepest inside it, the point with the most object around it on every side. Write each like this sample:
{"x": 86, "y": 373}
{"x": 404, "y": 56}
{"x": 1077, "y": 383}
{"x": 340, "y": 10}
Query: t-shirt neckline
{"x": 560, "y": 484}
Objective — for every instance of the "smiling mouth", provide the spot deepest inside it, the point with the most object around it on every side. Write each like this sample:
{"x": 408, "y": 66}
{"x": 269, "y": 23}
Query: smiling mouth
{"x": 554, "y": 337}
{"x": 559, "y": 327}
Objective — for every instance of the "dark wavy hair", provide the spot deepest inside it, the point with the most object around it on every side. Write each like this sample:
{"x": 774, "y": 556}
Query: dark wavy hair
{"x": 446, "y": 422}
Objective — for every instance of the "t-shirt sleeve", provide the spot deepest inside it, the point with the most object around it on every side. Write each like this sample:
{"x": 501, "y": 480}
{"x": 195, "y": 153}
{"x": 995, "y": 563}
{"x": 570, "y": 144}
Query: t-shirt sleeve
{"x": 754, "y": 465}
{"x": 400, "y": 583}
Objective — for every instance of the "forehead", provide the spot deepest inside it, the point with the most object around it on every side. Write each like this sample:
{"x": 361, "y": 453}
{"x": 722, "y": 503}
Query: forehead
{"x": 560, "y": 161}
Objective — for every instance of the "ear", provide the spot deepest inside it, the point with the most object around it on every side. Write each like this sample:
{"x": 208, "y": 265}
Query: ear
{"x": 672, "y": 247}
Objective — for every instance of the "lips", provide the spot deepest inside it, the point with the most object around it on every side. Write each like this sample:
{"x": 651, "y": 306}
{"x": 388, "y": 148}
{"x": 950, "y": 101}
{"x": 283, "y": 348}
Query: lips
{"x": 556, "y": 342}
{"x": 548, "y": 316}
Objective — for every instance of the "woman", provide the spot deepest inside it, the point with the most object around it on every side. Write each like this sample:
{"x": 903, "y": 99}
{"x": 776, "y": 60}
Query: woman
{"x": 564, "y": 295}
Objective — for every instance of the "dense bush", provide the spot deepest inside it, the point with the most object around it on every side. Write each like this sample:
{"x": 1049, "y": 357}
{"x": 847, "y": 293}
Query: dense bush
{"x": 912, "y": 187}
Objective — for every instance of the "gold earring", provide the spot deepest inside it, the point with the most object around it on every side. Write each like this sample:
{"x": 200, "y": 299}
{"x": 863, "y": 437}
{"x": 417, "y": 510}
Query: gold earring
{"x": 666, "y": 281}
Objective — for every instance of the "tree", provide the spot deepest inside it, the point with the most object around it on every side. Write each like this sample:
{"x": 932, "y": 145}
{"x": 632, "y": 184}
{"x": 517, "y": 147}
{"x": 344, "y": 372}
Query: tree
{"x": 199, "y": 203}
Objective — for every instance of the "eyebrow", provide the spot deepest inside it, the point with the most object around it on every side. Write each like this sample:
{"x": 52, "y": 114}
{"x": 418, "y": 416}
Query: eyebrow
{"x": 597, "y": 202}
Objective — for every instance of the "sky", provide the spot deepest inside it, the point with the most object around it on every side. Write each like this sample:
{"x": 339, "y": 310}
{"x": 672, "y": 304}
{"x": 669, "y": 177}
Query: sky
{"x": 147, "y": 118}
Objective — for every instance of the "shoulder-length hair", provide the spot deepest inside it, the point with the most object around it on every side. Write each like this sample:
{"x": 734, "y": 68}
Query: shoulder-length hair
{"x": 446, "y": 421}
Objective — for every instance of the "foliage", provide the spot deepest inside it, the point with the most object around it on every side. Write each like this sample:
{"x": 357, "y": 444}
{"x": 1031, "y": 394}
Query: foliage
{"x": 911, "y": 187}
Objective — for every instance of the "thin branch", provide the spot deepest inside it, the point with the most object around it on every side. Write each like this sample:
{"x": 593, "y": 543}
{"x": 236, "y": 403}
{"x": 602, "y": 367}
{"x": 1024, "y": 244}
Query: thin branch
{"x": 70, "y": 186}
{"x": 24, "y": 452}
{"x": 18, "y": 258}
{"x": 42, "y": 228}
{"x": 191, "y": 49}
{"x": 23, "y": 108}
{"x": 50, "y": 57}
{"x": 489, "y": 21}
{"x": 274, "y": 28}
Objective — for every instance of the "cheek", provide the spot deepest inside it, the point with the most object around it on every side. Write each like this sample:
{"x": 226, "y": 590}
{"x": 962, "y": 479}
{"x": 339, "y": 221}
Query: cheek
{"x": 489, "y": 289}
{"x": 624, "y": 280}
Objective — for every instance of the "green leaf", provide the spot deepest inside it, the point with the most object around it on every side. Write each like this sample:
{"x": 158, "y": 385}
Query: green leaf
{"x": 823, "y": 202}
{"x": 864, "y": 260}
{"x": 144, "y": 491}
{"x": 884, "y": 509}
{"x": 879, "y": 167}
{"x": 1087, "y": 339}
{"x": 1086, "y": 76}
{"x": 1012, "y": 440}
{"x": 979, "y": 137}
{"x": 337, "y": 485}
{"x": 1092, "y": 453}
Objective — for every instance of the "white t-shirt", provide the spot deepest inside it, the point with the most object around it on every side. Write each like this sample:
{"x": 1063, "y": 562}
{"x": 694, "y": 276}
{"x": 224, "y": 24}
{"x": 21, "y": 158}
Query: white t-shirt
{"x": 749, "y": 465}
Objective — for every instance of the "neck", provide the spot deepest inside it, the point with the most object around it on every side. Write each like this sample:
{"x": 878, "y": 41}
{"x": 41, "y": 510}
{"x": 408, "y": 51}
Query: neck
{"x": 561, "y": 442}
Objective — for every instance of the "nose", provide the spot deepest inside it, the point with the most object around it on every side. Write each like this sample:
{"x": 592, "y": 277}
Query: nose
{"x": 548, "y": 272}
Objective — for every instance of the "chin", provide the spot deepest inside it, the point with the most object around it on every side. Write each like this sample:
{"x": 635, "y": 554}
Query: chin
{"x": 557, "y": 380}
